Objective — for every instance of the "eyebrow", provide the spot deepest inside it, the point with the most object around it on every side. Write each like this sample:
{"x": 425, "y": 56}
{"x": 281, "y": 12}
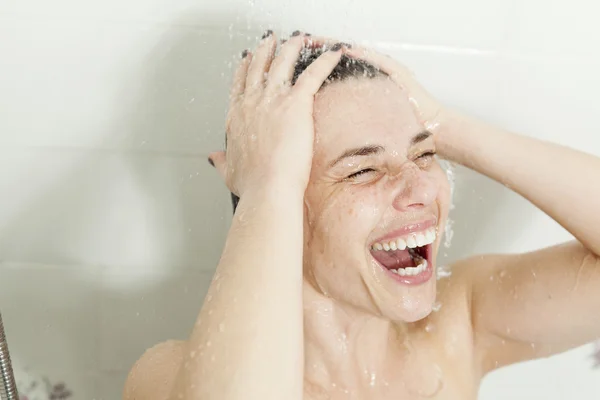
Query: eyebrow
{"x": 419, "y": 137}
{"x": 376, "y": 149}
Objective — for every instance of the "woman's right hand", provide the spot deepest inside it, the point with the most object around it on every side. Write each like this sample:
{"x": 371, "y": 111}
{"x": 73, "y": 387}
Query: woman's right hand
{"x": 270, "y": 130}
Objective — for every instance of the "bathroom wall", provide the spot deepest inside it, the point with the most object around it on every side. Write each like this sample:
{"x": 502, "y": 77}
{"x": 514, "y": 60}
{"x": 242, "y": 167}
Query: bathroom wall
{"x": 111, "y": 220}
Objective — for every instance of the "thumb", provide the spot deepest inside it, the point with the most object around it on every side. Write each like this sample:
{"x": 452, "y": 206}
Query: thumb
{"x": 218, "y": 160}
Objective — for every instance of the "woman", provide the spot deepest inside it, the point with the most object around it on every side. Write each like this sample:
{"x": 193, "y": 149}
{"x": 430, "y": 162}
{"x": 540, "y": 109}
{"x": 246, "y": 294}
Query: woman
{"x": 326, "y": 285}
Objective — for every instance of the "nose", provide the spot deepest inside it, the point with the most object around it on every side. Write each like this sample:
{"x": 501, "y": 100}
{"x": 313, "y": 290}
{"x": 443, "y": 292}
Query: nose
{"x": 415, "y": 190}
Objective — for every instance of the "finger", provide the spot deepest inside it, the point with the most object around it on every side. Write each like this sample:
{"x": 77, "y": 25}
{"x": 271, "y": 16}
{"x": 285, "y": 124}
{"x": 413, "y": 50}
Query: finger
{"x": 261, "y": 62}
{"x": 239, "y": 77}
{"x": 282, "y": 69}
{"x": 219, "y": 161}
{"x": 311, "y": 80}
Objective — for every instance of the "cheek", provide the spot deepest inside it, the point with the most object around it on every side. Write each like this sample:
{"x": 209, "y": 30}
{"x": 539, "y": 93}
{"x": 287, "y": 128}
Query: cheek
{"x": 345, "y": 213}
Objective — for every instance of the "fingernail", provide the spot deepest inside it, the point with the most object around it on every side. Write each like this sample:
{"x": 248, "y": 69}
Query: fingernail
{"x": 267, "y": 34}
{"x": 211, "y": 162}
{"x": 308, "y": 34}
{"x": 336, "y": 47}
{"x": 244, "y": 53}
{"x": 295, "y": 33}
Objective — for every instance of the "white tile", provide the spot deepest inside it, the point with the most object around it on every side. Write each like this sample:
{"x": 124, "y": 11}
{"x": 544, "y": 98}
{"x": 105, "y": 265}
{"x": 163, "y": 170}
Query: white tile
{"x": 564, "y": 376}
{"x": 462, "y": 23}
{"x": 555, "y": 27}
{"x": 115, "y": 86}
{"x": 525, "y": 381}
{"x": 50, "y": 316}
{"x": 159, "y": 11}
{"x": 137, "y": 317}
{"x": 110, "y": 385}
{"x": 466, "y": 81}
{"x": 104, "y": 208}
{"x": 552, "y": 99}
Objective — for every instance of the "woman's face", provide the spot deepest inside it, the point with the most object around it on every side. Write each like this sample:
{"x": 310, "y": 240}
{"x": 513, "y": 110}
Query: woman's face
{"x": 376, "y": 202}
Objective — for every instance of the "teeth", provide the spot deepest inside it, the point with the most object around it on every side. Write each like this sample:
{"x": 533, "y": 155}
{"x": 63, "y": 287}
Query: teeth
{"x": 411, "y": 241}
{"x": 411, "y": 271}
{"x": 401, "y": 244}
{"x": 420, "y": 238}
{"x": 430, "y": 235}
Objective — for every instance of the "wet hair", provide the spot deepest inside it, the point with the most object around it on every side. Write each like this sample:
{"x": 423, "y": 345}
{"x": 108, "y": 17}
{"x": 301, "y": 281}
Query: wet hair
{"x": 347, "y": 68}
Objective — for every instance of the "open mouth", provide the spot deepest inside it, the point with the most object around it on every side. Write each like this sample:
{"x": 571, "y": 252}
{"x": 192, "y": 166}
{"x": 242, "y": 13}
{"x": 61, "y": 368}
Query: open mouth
{"x": 409, "y": 255}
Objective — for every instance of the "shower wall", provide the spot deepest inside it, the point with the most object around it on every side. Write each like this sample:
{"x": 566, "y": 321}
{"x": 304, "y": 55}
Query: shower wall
{"x": 111, "y": 219}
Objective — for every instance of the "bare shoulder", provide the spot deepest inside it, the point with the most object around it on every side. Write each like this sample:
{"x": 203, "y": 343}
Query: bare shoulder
{"x": 153, "y": 375}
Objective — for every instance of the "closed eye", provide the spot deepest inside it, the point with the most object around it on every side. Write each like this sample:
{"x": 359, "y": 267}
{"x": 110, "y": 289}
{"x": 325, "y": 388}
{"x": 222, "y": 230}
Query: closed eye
{"x": 427, "y": 154}
{"x": 361, "y": 172}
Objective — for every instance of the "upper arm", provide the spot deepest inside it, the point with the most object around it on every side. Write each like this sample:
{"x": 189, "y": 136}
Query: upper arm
{"x": 153, "y": 375}
{"x": 535, "y": 304}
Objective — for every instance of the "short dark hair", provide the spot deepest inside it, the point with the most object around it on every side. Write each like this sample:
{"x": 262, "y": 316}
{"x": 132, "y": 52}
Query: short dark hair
{"x": 347, "y": 68}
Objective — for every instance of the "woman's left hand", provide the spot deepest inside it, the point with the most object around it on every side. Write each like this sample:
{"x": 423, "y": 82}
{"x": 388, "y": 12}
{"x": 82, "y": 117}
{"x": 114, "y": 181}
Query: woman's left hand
{"x": 431, "y": 114}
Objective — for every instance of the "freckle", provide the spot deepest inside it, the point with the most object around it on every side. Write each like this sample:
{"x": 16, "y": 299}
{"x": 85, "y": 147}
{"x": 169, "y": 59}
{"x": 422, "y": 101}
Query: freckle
{"x": 351, "y": 211}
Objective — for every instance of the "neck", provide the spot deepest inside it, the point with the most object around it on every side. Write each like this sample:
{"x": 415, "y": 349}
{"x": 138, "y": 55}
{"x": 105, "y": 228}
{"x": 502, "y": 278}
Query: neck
{"x": 347, "y": 349}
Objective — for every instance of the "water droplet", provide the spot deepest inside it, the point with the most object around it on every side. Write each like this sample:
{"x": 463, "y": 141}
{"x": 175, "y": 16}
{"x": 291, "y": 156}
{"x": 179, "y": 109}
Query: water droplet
{"x": 208, "y": 344}
{"x": 502, "y": 273}
{"x": 436, "y": 306}
{"x": 221, "y": 327}
{"x": 192, "y": 354}
{"x": 448, "y": 233}
{"x": 429, "y": 328}
{"x": 443, "y": 271}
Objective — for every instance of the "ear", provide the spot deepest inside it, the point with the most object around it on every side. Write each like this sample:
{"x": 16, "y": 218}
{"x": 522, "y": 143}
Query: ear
{"x": 219, "y": 161}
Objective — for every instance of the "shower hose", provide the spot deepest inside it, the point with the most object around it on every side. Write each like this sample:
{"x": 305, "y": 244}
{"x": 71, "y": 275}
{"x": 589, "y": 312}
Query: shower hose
{"x": 8, "y": 388}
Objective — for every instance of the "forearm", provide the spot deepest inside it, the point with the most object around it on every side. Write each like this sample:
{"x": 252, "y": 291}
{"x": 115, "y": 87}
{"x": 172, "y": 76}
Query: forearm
{"x": 248, "y": 340}
{"x": 562, "y": 182}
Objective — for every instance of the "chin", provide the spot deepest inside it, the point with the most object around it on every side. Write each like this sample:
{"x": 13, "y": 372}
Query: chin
{"x": 412, "y": 308}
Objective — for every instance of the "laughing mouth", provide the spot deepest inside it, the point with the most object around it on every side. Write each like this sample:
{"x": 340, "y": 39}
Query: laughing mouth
{"x": 408, "y": 255}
